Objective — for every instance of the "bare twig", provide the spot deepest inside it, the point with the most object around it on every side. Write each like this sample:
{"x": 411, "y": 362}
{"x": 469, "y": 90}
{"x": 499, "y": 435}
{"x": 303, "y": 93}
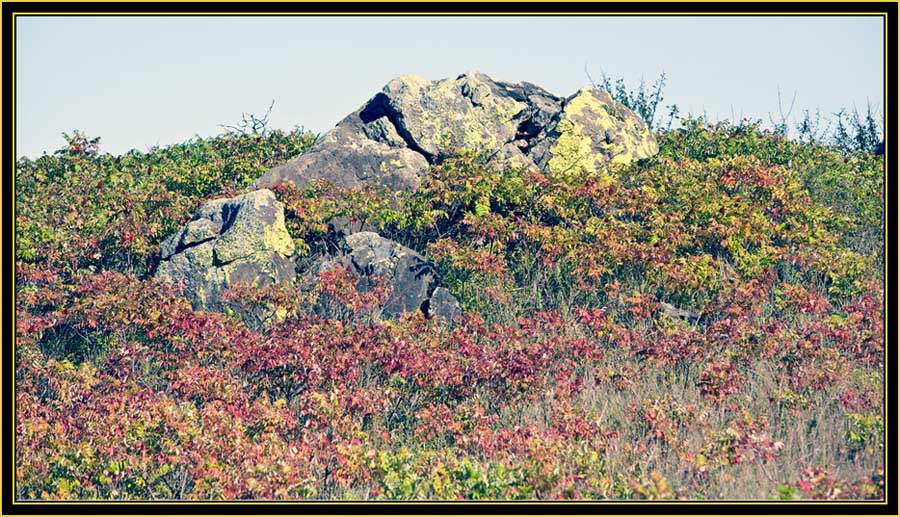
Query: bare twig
{"x": 250, "y": 124}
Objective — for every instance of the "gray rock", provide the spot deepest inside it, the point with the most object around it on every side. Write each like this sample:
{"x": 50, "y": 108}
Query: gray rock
{"x": 409, "y": 275}
{"x": 345, "y": 225}
{"x": 241, "y": 239}
{"x": 382, "y": 130}
{"x": 193, "y": 233}
{"x": 443, "y": 306}
{"x": 353, "y": 154}
{"x": 667, "y": 309}
{"x": 511, "y": 155}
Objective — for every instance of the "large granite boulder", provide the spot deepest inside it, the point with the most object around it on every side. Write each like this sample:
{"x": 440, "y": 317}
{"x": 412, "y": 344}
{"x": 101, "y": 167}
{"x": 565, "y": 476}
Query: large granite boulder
{"x": 413, "y": 122}
{"x": 410, "y": 277}
{"x": 241, "y": 239}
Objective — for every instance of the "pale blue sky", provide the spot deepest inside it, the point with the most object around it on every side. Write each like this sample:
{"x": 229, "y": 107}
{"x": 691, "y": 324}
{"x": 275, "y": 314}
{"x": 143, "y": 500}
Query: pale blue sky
{"x": 137, "y": 82}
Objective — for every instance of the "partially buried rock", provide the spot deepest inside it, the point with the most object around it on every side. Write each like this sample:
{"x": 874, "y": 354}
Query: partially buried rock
{"x": 411, "y": 278}
{"x": 241, "y": 239}
{"x": 443, "y": 306}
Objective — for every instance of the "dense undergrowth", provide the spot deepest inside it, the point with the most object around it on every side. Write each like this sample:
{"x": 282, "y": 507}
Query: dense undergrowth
{"x": 706, "y": 324}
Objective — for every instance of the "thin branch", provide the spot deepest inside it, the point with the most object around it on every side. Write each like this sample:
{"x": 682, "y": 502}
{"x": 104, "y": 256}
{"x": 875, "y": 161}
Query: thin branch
{"x": 588, "y": 73}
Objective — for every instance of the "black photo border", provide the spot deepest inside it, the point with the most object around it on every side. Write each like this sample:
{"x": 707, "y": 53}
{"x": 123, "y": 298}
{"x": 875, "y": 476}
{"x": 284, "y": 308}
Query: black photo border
{"x": 12, "y": 10}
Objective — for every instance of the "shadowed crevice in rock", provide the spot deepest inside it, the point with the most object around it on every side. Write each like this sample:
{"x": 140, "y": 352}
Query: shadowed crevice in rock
{"x": 182, "y": 247}
{"x": 219, "y": 262}
{"x": 380, "y": 107}
{"x": 442, "y": 305}
{"x": 194, "y": 233}
{"x": 532, "y": 130}
{"x": 352, "y": 155}
{"x": 375, "y": 109}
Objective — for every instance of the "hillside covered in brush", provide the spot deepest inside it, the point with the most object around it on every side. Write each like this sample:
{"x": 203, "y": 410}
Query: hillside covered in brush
{"x": 468, "y": 289}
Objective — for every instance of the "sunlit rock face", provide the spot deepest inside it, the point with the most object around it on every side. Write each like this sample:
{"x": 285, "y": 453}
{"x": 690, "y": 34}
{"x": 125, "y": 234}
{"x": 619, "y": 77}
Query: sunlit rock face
{"x": 414, "y": 122}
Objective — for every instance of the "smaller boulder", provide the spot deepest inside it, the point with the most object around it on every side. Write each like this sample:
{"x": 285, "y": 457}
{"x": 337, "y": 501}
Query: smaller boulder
{"x": 241, "y": 239}
{"x": 410, "y": 277}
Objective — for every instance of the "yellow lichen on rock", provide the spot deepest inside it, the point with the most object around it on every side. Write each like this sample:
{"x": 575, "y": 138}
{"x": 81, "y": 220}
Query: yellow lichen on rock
{"x": 453, "y": 114}
{"x": 276, "y": 237}
{"x": 572, "y": 153}
{"x": 413, "y": 82}
{"x": 595, "y": 131}
{"x": 253, "y": 247}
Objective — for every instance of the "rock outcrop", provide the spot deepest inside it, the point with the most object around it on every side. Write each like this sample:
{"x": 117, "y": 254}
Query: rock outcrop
{"x": 241, "y": 239}
{"x": 414, "y": 122}
{"x": 390, "y": 142}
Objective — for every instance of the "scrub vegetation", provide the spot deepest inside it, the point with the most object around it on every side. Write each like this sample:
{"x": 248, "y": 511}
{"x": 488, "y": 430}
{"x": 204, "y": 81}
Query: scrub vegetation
{"x": 703, "y": 324}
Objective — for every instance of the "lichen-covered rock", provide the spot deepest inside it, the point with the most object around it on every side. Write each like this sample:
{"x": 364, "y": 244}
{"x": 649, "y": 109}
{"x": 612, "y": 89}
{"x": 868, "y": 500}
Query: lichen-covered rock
{"x": 441, "y": 117}
{"x": 390, "y": 142}
{"x": 511, "y": 156}
{"x": 409, "y": 276}
{"x": 591, "y": 132}
{"x": 413, "y": 122}
{"x": 240, "y": 239}
{"x": 541, "y": 106}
